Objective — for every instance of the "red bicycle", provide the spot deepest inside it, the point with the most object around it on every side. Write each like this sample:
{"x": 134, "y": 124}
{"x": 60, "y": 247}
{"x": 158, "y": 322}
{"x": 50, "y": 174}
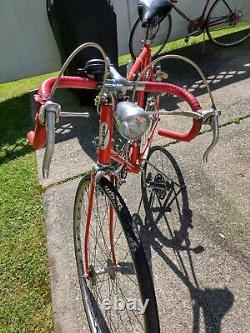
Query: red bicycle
{"x": 115, "y": 279}
{"x": 226, "y": 22}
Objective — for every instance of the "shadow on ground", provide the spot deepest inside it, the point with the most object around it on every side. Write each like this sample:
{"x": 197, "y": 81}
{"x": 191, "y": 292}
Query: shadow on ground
{"x": 221, "y": 66}
{"x": 165, "y": 227}
{"x": 15, "y": 123}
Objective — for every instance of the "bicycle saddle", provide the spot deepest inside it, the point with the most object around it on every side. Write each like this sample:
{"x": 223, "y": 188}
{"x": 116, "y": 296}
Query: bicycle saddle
{"x": 152, "y": 12}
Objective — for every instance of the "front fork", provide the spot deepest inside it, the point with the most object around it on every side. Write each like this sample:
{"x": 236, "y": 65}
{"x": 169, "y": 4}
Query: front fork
{"x": 104, "y": 158}
{"x": 88, "y": 222}
{"x": 90, "y": 273}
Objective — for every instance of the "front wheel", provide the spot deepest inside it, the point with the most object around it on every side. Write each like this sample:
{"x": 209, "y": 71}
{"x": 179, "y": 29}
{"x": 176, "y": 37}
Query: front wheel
{"x": 160, "y": 34}
{"x": 228, "y": 22}
{"x": 118, "y": 293}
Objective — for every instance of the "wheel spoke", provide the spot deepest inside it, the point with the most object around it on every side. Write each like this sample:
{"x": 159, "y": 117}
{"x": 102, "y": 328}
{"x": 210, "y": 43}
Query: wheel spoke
{"x": 107, "y": 281}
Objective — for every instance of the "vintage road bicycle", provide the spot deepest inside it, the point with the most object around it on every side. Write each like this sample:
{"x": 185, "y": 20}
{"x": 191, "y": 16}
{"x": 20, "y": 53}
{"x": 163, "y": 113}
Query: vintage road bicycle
{"x": 226, "y": 22}
{"x": 111, "y": 262}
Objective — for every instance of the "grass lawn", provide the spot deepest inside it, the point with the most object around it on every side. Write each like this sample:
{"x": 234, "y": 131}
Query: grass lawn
{"x": 25, "y": 304}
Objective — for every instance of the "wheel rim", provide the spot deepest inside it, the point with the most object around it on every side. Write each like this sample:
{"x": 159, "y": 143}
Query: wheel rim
{"x": 108, "y": 287}
{"x": 228, "y": 27}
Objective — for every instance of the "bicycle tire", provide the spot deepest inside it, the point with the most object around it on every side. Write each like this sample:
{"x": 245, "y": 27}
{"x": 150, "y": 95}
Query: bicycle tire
{"x": 160, "y": 38}
{"x": 98, "y": 319}
{"x": 236, "y": 30}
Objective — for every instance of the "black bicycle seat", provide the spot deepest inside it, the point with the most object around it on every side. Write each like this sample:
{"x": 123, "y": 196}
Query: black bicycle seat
{"x": 152, "y": 12}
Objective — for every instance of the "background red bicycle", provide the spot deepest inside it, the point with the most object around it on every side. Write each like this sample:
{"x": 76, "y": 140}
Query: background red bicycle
{"x": 226, "y": 22}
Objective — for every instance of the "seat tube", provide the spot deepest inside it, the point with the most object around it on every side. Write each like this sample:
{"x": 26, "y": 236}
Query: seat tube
{"x": 105, "y": 134}
{"x": 146, "y": 61}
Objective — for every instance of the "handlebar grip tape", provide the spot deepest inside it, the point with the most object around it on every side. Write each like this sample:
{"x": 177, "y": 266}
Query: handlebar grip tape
{"x": 37, "y": 138}
{"x": 187, "y": 97}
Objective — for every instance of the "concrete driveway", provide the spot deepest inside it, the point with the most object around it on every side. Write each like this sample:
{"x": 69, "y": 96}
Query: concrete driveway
{"x": 200, "y": 265}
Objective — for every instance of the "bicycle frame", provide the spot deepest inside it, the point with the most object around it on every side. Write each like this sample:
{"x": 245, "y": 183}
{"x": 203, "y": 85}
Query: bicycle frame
{"x": 137, "y": 154}
{"x": 201, "y": 18}
{"x": 106, "y": 153}
{"x": 200, "y": 22}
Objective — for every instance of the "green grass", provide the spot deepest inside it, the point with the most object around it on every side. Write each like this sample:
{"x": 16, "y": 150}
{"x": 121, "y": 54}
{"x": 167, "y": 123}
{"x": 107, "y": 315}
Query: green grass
{"x": 12, "y": 89}
{"x": 25, "y": 304}
{"x": 170, "y": 46}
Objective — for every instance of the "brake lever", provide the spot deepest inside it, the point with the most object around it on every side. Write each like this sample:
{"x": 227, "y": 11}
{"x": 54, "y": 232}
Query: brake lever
{"x": 212, "y": 119}
{"x": 49, "y": 113}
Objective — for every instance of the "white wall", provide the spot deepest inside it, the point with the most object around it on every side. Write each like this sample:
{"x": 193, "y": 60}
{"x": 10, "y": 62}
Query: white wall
{"x": 27, "y": 45}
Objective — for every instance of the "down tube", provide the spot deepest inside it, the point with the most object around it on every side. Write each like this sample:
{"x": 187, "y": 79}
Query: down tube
{"x": 88, "y": 222}
{"x": 105, "y": 134}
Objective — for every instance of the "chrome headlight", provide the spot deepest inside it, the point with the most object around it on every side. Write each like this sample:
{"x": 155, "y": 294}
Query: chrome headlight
{"x": 131, "y": 120}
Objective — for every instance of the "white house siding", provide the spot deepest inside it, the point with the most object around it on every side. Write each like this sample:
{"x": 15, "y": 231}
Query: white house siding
{"x": 27, "y": 45}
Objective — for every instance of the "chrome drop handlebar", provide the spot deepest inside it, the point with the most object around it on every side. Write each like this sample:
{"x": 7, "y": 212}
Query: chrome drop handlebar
{"x": 210, "y": 118}
{"x": 213, "y": 121}
{"x": 49, "y": 113}
{"x": 49, "y": 150}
